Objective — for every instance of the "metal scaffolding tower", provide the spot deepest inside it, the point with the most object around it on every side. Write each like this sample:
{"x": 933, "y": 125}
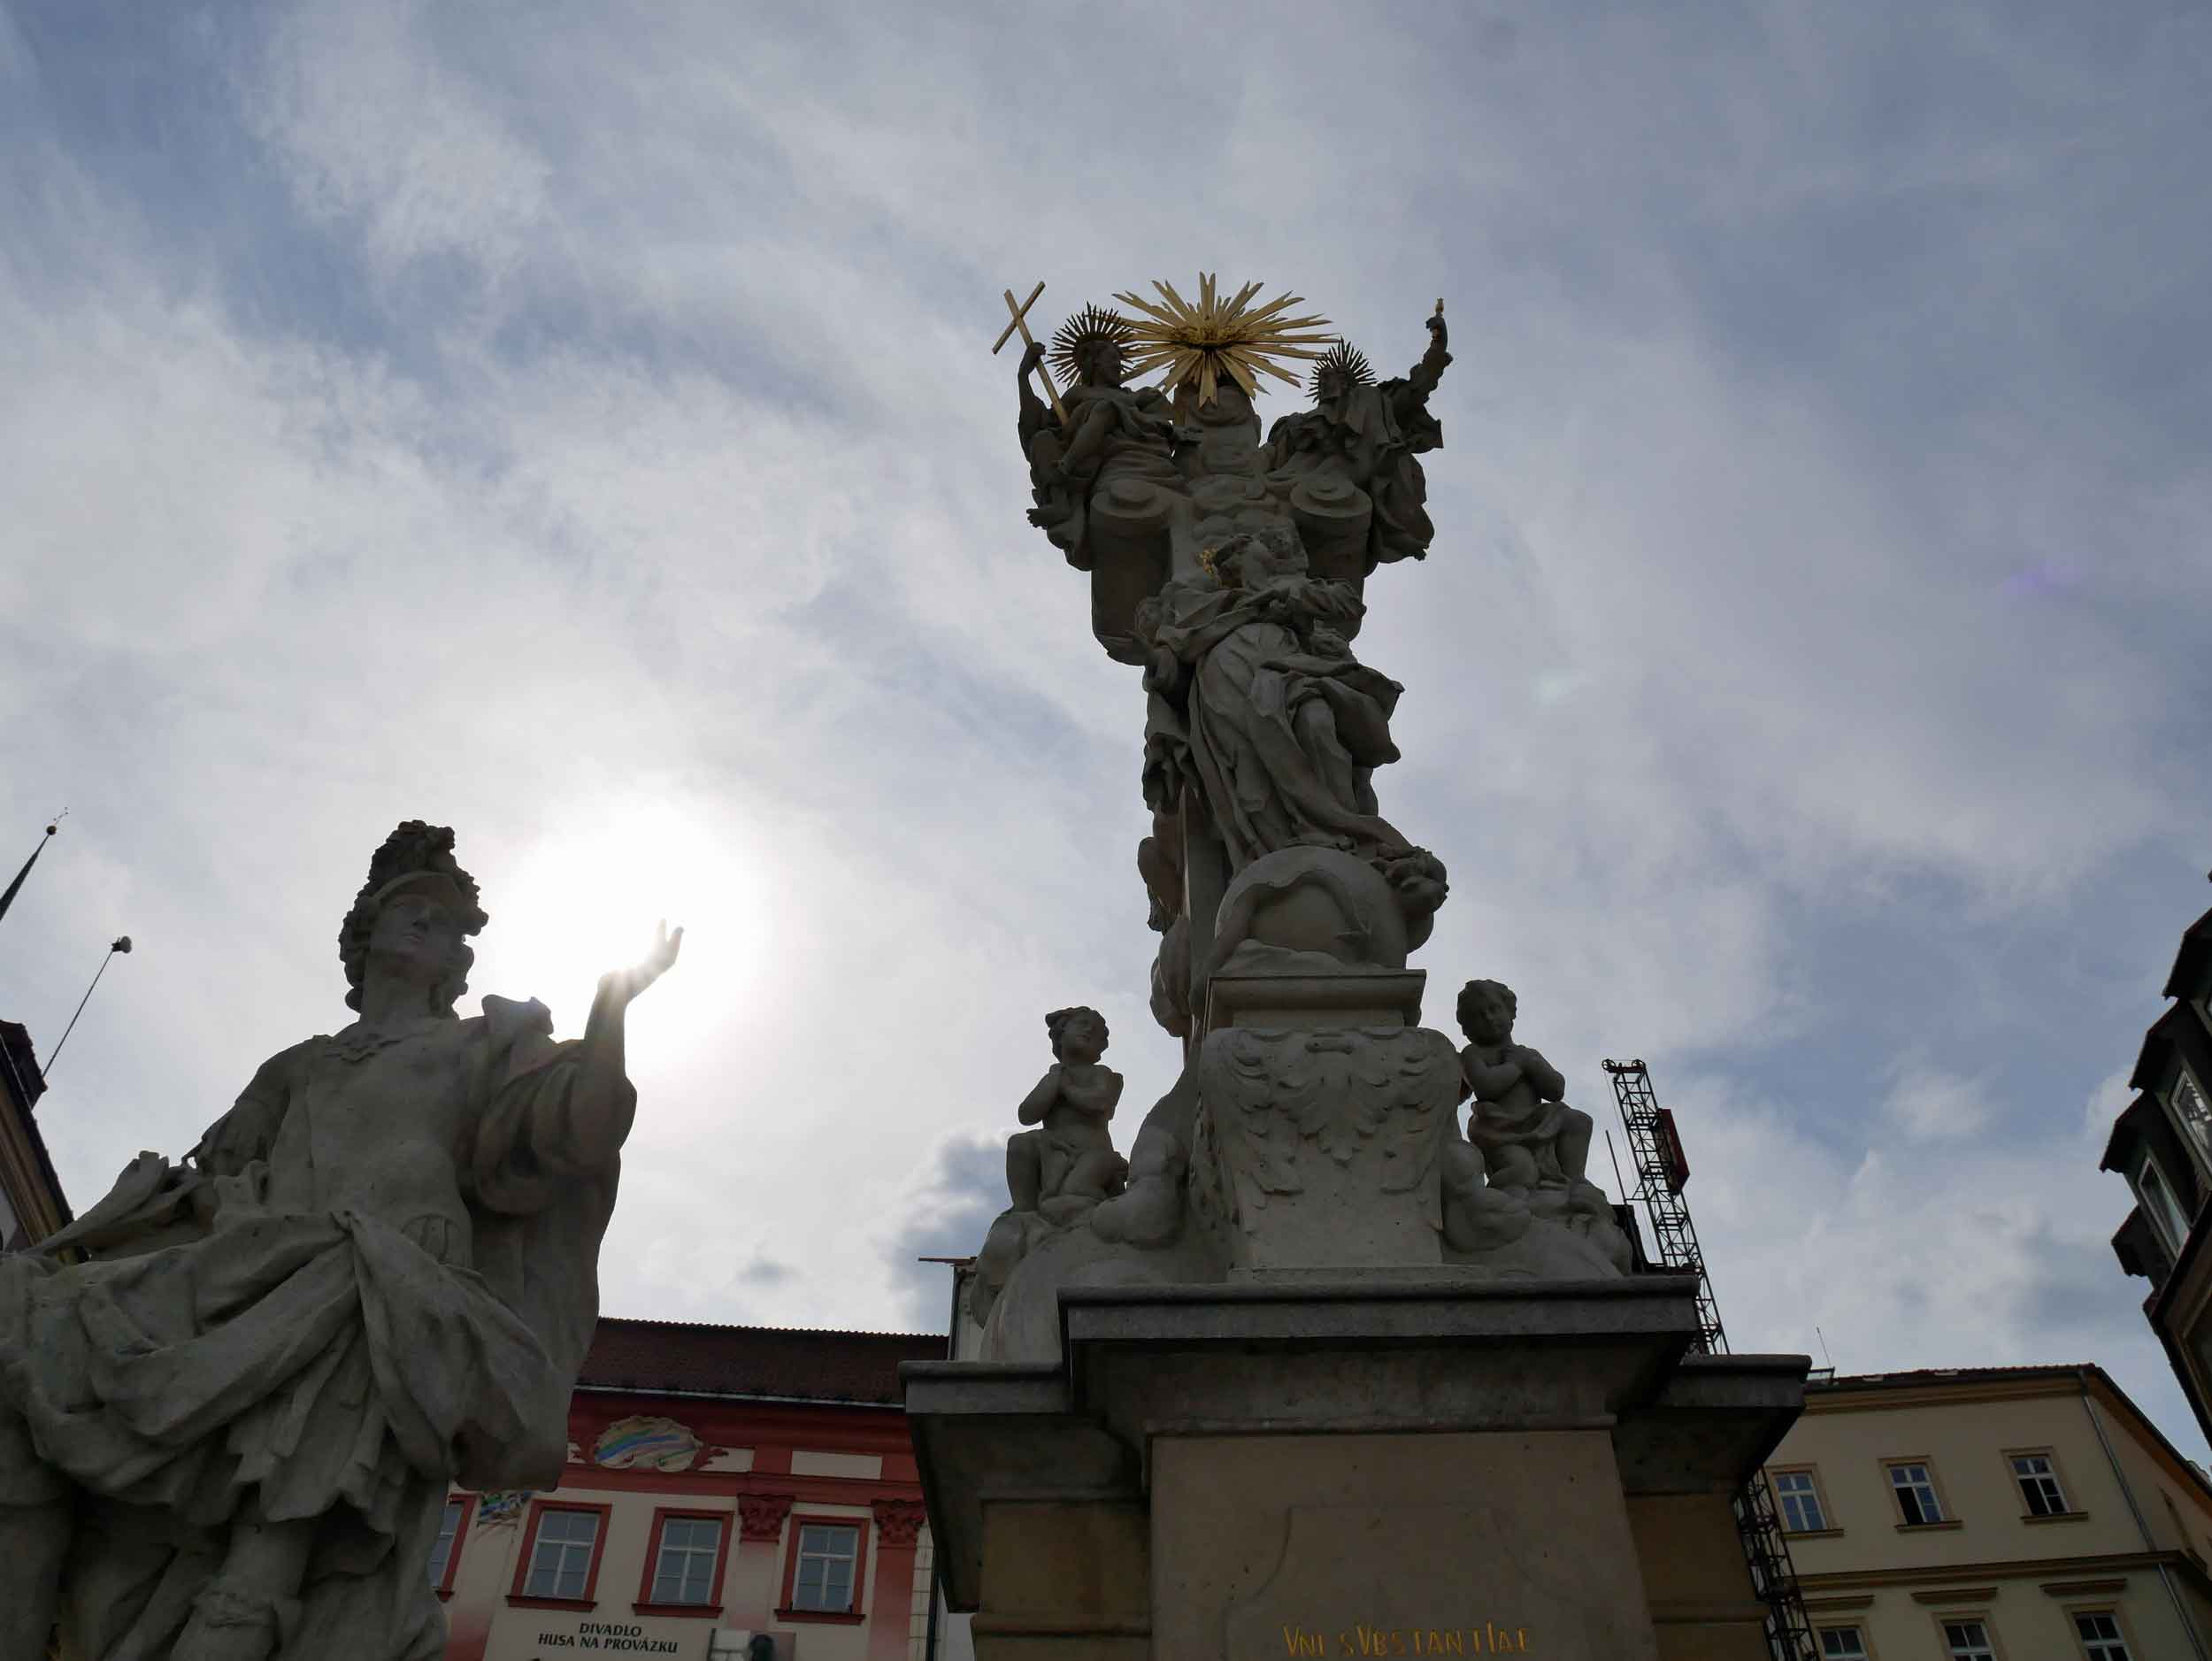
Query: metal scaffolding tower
{"x": 1662, "y": 1172}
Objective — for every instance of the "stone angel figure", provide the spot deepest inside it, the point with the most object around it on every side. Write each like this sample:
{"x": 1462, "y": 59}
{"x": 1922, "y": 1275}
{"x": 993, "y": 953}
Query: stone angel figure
{"x": 1113, "y": 433}
{"x": 1370, "y": 434}
{"x": 227, "y": 1432}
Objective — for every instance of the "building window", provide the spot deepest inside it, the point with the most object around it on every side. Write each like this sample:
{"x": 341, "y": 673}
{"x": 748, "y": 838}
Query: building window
{"x": 1842, "y": 1643}
{"x": 1967, "y": 1640}
{"x": 2039, "y": 1484}
{"x": 1798, "y": 1497}
{"x": 1916, "y": 1493}
{"x": 686, "y": 1557}
{"x": 2191, "y": 1109}
{"x": 560, "y": 1561}
{"x": 2160, "y": 1206}
{"x": 2100, "y": 1634}
{"x": 445, "y": 1552}
{"x": 824, "y": 1578}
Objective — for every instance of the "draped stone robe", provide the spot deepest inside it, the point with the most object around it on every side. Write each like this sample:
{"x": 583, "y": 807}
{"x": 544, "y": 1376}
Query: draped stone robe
{"x": 376, "y": 1274}
{"x": 1249, "y": 668}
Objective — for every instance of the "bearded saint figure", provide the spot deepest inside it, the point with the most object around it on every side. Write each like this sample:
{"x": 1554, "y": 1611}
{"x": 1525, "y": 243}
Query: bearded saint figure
{"x": 227, "y": 1433}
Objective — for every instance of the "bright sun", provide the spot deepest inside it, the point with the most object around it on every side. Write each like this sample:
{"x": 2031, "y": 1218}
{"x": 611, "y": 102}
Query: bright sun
{"x": 584, "y": 900}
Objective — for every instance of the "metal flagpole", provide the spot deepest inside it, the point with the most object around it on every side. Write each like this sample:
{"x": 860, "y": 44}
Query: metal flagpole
{"x": 122, "y": 944}
{"x": 16, "y": 886}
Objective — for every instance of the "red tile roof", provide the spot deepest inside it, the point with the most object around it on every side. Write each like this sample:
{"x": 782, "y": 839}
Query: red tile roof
{"x": 778, "y": 1362}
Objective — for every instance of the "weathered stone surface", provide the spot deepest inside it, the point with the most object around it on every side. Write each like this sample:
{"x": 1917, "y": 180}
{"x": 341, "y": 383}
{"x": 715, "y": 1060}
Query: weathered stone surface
{"x": 1329, "y": 1545}
{"x": 1306, "y": 1455}
{"x": 236, "y": 1424}
{"x": 1324, "y": 1146}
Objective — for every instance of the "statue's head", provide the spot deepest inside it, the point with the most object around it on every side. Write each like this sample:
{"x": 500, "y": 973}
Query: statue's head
{"x": 1486, "y": 1009}
{"x": 1099, "y": 363}
{"x": 1090, "y": 348}
{"x": 1078, "y": 1035}
{"x": 1336, "y": 372}
{"x": 1255, "y": 557}
{"x": 412, "y": 918}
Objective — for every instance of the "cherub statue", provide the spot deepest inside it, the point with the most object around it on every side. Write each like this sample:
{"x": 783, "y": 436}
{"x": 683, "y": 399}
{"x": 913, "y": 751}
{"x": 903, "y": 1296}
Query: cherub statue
{"x": 1057, "y": 1173}
{"x": 228, "y": 1434}
{"x": 1514, "y": 1191}
{"x": 1529, "y": 1138}
{"x": 1067, "y": 1164}
{"x": 1112, "y": 432}
{"x": 1370, "y": 435}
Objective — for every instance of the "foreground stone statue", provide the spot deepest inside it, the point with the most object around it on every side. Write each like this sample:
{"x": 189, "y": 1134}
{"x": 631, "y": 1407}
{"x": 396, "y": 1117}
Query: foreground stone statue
{"x": 228, "y": 1432}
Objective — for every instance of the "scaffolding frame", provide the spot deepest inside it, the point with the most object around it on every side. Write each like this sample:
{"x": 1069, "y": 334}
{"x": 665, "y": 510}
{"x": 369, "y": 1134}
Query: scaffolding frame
{"x": 1660, "y": 1174}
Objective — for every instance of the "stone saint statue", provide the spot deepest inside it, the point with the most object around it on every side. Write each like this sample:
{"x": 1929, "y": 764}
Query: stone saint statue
{"x": 1370, "y": 435}
{"x": 1113, "y": 434}
{"x": 227, "y": 1432}
{"x": 1273, "y": 716}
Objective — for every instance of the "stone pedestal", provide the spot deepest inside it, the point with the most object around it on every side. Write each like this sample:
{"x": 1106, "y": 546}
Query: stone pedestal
{"x": 1393, "y": 1467}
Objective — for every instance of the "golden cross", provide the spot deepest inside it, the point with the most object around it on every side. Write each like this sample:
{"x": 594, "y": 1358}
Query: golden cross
{"x": 1021, "y": 322}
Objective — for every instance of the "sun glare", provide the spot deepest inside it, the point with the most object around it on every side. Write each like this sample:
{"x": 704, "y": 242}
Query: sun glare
{"x": 585, "y": 899}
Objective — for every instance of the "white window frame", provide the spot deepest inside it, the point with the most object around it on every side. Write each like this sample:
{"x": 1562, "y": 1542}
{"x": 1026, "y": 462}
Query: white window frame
{"x": 689, "y": 1556}
{"x": 2198, "y": 1125}
{"x": 2164, "y": 1210}
{"x": 1967, "y": 1650}
{"x": 850, "y": 1559}
{"x": 2096, "y": 1647}
{"x": 2044, "y": 1483}
{"x": 1927, "y": 1499}
{"x": 1858, "y": 1651}
{"x": 1808, "y": 1495}
{"x": 560, "y": 1547}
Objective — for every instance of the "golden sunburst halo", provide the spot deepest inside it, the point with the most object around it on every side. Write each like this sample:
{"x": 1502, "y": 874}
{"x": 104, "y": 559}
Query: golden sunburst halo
{"x": 1074, "y": 338}
{"x": 1199, "y": 346}
{"x": 1345, "y": 360}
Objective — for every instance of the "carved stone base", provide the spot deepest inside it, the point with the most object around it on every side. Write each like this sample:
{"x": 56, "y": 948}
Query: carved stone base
{"x": 1236, "y": 1471}
{"x": 1320, "y": 1149}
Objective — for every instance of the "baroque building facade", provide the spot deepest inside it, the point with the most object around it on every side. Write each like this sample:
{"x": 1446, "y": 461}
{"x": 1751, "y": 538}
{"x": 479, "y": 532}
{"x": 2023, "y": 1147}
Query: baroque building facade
{"x": 1993, "y": 1514}
{"x": 725, "y": 1484}
{"x": 2161, "y": 1145}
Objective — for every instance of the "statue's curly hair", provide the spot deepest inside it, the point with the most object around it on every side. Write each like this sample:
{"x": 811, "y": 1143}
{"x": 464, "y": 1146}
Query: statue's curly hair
{"x": 413, "y": 847}
{"x": 1467, "y": 994}
{"x": 1057, "y": 1022}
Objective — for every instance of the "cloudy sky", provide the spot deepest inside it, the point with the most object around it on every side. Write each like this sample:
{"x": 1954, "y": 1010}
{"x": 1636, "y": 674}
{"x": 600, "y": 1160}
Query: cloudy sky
{"x": 576, "y": 425}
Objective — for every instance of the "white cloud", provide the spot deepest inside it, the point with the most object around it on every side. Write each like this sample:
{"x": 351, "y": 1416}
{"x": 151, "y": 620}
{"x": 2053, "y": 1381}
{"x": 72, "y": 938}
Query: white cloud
{"x": 626, "y": 483}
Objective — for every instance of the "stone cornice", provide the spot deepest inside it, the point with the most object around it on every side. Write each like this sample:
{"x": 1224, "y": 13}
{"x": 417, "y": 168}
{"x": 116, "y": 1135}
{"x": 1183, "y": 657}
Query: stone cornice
{"x": 1972, "y": 1575}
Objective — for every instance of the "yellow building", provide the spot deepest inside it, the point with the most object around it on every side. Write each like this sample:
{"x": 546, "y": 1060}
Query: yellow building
{"x": 1993, "y": 1514}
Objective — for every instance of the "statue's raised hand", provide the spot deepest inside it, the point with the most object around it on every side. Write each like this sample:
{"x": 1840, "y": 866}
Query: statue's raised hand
{"x": 622, "y": 984}
{"x": 1031, "y": 358}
